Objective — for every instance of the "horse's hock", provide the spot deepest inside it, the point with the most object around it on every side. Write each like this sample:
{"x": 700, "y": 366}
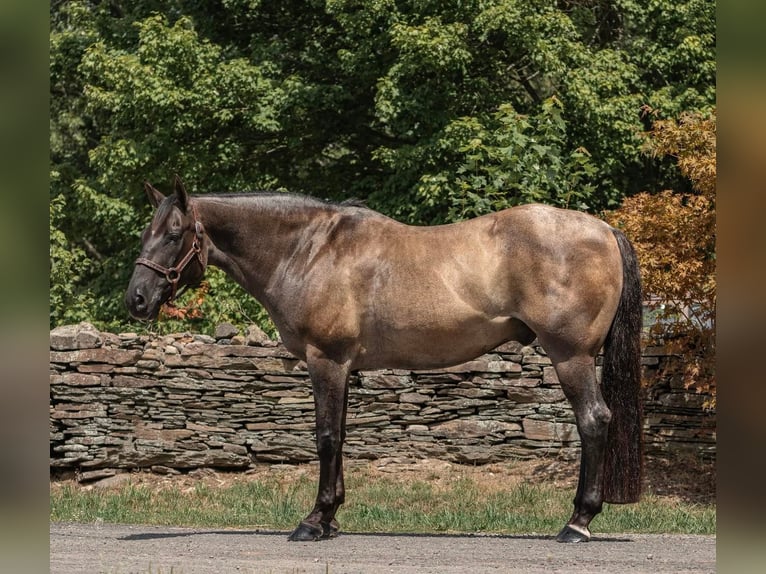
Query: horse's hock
{"x": 187, "y": 401}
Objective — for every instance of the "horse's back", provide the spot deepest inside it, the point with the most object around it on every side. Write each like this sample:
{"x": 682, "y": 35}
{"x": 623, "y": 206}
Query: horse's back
{"x": 496, "y": 261}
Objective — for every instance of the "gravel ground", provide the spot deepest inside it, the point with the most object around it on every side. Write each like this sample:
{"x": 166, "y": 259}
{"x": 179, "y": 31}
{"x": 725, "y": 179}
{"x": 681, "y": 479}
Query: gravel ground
{"x": 118, "y": 549}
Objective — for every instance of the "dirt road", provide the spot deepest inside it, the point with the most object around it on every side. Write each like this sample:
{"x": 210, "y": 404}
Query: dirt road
{"x": 122, "y": 549}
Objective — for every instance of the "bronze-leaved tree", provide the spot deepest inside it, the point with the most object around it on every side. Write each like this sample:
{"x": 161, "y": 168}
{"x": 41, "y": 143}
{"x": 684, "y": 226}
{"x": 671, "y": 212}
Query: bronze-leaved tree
{"x": 674, "y": 235}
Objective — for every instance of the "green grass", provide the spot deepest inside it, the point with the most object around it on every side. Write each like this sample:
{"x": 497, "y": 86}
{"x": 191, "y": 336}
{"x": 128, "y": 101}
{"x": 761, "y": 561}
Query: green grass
{"x": 374, "y": 504}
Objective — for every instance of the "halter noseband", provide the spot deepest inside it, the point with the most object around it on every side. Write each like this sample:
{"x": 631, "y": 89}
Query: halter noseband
{"x": 173, "y": 274}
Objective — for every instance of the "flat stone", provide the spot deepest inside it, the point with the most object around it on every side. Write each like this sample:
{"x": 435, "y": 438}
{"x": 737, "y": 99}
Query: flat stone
{"x": 81, "y": 412}
{"x": 474, "y": 455}
{"x": 385, "y": 381}
{"x": 255, "y": 337}
{"x": 115, "y": 357}
{"x": 550, "y": 377}
{"x": 112, "y": 481}
{"x": 90, "y": 475}
{"x": 225, "y": 331}
{"x": 511, "y": 347}
{"x": 73, "y": 337}
{"x": 165, "y": 470}
{"x": 133, "y": 382}
{"x": 415, "y": 398}
{"x": 96, "y": 368}
{"x": 235, "y": 448}
{"x": 473, "y": 393}
{"x": 472, "y": 428}
{"x": 535, "y": 395}
{"x": 535, "y": 360}
{"x": 207, "y": 429}
{"x": 81, "y": 380}
{"x": 161, "y": 434}
{"x": 535, "y": 429}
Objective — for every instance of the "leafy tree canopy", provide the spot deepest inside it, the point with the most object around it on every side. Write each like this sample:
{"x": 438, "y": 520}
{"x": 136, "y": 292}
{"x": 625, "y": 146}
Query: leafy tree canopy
{"x": 430, "y": 111}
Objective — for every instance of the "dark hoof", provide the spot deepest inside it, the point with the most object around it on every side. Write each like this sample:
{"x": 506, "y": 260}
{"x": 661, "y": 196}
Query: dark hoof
{"x": 331, "y": 529}
{"x": 572, "y": 533}
{"x": 306, "y": 533}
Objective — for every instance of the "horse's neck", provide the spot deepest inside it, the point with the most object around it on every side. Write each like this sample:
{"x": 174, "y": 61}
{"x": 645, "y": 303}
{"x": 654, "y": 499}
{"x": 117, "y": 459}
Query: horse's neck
{"x": 251, "y": 236}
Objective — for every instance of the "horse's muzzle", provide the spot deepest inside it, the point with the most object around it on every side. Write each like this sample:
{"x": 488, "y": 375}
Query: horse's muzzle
{"x": 140, "y": 305}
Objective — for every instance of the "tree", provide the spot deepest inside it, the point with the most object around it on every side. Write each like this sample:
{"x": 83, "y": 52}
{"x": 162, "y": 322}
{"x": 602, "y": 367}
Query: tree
{"x": 429, "y": 111}
{"x": 674, "y": 235}
{"x": 508, "y": 160}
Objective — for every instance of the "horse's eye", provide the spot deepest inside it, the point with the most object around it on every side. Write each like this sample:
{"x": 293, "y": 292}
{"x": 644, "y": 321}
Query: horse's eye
{"x": 173, "y": 237}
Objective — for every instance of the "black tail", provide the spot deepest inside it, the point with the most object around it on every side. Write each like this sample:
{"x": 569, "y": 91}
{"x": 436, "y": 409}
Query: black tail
{"x": 621, "y": 386}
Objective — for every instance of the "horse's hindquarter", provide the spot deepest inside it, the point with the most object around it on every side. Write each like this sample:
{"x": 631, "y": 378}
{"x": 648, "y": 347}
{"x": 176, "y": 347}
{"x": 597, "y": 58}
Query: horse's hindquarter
{"x": 567, "y": 276}
{"x": 423, "y": 297}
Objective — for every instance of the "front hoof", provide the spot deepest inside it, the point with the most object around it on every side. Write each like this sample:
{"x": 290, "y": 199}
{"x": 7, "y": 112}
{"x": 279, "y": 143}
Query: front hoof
{"x": 306, "y": 532}
{"x": 572, "y": 533}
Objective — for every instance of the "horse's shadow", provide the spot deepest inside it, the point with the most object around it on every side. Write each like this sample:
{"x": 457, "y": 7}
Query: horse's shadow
{"x": 280, "y": 533}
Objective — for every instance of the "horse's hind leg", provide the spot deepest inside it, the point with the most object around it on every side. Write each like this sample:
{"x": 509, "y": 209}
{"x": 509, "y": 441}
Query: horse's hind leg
{"x": 577, "y": 376}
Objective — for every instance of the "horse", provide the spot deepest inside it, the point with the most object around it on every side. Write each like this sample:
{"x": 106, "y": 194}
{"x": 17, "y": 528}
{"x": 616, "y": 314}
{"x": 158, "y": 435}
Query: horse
{"x": 351, "y": 289}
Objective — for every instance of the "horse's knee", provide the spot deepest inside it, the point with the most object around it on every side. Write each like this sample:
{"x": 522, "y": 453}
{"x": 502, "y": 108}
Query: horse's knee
{"x": 603, "y": 415}
{"x": 595, "y": 422}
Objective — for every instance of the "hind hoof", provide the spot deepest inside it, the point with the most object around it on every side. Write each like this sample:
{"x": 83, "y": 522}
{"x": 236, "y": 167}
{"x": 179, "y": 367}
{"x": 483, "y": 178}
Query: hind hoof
{"x": 306, "y": 533}
{"x": 331, "y": 529}
{"x": 572, "y": 533}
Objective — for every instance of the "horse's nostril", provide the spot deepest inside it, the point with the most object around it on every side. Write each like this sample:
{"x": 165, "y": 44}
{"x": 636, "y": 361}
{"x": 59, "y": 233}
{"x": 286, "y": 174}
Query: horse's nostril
{"x": 138, "y": 300}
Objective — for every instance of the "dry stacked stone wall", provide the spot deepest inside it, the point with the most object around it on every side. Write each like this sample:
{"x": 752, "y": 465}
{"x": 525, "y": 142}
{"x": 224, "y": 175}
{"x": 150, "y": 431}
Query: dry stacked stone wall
{"x": 122, "y": 401}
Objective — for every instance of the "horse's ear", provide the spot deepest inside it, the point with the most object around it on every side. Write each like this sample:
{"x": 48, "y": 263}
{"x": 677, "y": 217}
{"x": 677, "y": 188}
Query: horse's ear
{"x": 183, "y": 197}
{"x": 155, "y": 197}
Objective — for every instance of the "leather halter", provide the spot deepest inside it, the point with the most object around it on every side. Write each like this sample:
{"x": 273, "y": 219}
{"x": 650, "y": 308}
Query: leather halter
{"x": 173, "y": 274}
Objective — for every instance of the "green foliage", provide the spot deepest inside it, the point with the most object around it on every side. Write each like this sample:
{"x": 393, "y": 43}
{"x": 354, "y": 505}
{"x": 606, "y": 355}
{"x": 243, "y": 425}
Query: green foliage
{"x": 176, "y": 100}
{"x": 673, "y": 44}
{"x": 429, "y": 111}
{"x": 67, "y": 265}
{"x": 509, "y": 160}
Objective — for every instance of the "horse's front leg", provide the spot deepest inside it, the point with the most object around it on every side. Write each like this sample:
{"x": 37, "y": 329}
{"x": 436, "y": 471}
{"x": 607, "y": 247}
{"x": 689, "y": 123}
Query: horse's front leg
{"x": 330, "y": 383}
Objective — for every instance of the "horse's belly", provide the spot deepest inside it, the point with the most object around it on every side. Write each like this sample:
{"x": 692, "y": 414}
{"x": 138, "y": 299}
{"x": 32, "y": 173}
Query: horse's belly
{"x": 434, "y": 347}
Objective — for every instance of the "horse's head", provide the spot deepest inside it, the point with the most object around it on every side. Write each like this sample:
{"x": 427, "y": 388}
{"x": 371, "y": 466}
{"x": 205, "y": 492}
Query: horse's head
{"x": 173, "y": 253}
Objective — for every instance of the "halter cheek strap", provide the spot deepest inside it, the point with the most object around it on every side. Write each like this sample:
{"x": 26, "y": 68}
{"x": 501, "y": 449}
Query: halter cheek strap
{"x": 173, "y": 274}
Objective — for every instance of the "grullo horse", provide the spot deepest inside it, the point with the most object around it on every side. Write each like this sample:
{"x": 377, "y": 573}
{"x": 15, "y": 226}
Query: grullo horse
{"x": 351, "y": 289}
